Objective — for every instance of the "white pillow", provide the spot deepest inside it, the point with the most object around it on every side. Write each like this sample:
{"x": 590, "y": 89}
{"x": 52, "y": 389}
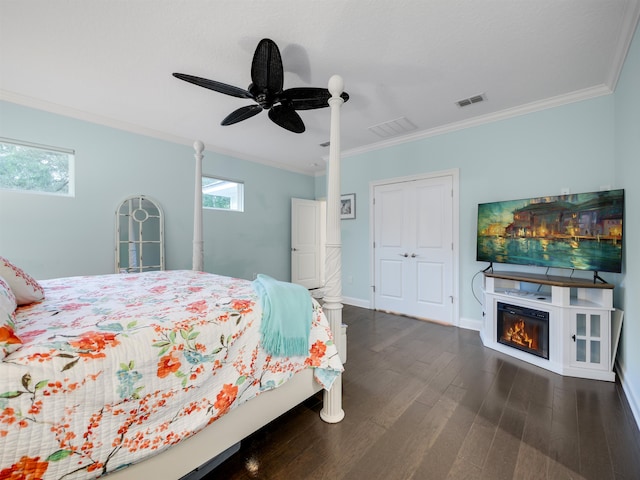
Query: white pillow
{"x": 9, "y": 341}
{"x": 25, "y": 288}
{"x": 8, "y": 302}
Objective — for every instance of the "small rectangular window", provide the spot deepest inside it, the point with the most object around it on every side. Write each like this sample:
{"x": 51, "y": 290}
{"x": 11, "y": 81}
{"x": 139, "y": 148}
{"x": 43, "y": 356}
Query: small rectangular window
{"x": 36, "y": 168}
{"x": 220, "y": 194}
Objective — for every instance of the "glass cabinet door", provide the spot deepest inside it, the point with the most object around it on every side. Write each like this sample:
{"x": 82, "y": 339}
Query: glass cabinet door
{"x": 139, "y": 235}
{"x": 588, "y": 342}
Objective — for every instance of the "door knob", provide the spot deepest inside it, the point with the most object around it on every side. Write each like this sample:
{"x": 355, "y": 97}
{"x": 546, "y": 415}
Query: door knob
{"x": 405, "y": 255}
{"x": 413, "y": 255}
{"x": 294, "y": 249}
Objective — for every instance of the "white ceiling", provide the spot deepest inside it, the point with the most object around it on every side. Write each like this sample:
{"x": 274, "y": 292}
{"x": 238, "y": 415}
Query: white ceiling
{"x": 111, "y": 62}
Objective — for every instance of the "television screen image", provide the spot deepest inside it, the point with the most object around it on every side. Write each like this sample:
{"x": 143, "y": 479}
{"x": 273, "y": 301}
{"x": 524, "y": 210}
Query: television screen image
{"x": 580, "y": 231}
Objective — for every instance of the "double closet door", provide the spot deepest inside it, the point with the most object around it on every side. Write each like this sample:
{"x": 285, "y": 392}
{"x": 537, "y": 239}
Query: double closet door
{"x": 413, "y": 248}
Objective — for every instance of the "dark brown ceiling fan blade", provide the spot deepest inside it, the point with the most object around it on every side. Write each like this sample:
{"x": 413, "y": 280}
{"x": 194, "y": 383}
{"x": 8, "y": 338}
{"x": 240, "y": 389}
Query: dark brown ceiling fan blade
{"x": 266, "y": 89}
{"x": 286, "y": 117}
{"x": 241, "y": 114}
{"x": 213, "y": 85}
{"x": 267, "y": 72}
{"x": 308, "y": 98}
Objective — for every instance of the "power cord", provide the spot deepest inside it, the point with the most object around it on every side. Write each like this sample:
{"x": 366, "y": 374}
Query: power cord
{"x": 473, "y": 292}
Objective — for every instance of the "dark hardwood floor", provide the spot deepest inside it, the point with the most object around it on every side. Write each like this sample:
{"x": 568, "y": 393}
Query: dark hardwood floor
{"x": 427, "y": 401}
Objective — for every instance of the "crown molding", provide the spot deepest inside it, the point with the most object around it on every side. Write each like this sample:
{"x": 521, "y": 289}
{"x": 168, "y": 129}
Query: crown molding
{"x": 631, "y": 17}
{"x": 65, "y": 111}
{"x": 577, "y": 96}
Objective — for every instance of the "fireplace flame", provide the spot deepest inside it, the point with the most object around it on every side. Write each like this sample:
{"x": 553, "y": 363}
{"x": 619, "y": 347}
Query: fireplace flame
{"x": 517, "y": 334}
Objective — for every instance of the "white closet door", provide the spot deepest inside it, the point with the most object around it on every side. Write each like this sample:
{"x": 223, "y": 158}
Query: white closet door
{"x": 413, "y": 254}
{"x": 306, "y": 216}
{"x": 391, "y": 247}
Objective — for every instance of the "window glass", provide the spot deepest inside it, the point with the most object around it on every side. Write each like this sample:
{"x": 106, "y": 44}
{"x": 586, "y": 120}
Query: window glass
{"x": 221, "y": 194}
{"x": 36, "y": 168}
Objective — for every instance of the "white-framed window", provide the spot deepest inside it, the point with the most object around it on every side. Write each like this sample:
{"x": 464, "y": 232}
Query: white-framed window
{"x": 30, "y": 167}
{"x": 222, "y": 194}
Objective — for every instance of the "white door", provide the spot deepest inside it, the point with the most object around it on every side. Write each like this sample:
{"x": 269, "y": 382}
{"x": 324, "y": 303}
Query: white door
{"x": 306, "y": 242}
{"x": 413, "y": 248}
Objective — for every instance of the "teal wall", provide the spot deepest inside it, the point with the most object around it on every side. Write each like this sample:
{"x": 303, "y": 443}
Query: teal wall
{"x": 55, "y": 236}
{"x": 582, "y": 146}
{"x": 627, "y": 171}
{"x": 527, "y": 156}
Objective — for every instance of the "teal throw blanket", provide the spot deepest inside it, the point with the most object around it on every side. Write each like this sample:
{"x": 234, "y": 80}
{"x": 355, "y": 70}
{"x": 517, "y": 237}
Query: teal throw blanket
{"x": 287, "y": 312}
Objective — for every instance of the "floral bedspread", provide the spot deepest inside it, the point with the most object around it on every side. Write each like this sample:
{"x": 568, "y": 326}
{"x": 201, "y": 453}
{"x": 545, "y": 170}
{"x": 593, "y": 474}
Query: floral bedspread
{"x": 115, "y": 368}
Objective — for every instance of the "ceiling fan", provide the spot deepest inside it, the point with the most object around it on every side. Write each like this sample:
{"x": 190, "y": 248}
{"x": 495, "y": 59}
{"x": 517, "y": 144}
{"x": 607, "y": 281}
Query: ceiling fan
{"x": 266, "y": 89}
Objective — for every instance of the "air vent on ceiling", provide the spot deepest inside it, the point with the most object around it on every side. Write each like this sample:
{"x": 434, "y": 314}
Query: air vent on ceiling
{"x": 465, "y": 102}
{"x": 392, "y": 128}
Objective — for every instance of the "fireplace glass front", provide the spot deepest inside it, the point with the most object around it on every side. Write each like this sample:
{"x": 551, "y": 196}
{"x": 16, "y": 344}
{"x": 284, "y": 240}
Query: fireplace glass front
{"x": 523, "y": 328}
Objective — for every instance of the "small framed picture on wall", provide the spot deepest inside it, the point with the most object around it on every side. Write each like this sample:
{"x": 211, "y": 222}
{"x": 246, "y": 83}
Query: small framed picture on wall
{"x": 348, "y": 206}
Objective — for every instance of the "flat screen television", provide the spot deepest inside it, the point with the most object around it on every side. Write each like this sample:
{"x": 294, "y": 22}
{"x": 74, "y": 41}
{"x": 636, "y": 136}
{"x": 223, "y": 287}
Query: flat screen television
{"x": 581, "y": 231}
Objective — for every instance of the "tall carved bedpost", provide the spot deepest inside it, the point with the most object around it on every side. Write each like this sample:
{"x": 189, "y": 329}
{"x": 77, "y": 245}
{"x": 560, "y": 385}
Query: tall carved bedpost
{"x": 332, "y": 409}
{"x": 198, "y": 243}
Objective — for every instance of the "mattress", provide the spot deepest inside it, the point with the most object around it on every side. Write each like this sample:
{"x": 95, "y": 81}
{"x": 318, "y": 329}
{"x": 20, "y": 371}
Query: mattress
{"x": 116, "y": 368}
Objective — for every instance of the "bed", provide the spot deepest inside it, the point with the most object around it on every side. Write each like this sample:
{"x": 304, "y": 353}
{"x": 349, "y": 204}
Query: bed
{"x": 78, "y": 400}
{"x": 115, "y": 368}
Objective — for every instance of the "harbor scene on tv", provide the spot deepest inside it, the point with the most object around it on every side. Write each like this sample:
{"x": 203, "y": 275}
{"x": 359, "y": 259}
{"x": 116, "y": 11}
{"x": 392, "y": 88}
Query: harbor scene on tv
{"x": 580, "y": 231}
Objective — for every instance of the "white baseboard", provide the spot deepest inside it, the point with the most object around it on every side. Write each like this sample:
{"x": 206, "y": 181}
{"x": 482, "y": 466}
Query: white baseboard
{"x": 471, "y": 324}
{"x": 633, "y": 401}
{"x": 467, "y": 323}
{"x": 356, "y": 302}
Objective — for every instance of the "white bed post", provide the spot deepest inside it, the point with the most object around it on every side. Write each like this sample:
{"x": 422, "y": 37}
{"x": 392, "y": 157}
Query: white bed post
{"x": 198, "y": 243}
{"x": 332, "y": 406}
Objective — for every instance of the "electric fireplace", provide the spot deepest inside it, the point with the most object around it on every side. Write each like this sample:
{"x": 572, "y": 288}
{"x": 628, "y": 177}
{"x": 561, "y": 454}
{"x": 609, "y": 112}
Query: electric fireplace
{"x": 523, "y": 328}
{"x": 548, "y": 326}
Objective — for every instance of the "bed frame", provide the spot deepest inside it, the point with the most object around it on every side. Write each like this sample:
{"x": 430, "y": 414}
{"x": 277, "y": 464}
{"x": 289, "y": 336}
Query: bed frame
{"x": 195, "y": 456}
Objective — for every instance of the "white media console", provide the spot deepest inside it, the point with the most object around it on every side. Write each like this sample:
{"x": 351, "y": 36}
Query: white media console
{"x": 583, "y": 327}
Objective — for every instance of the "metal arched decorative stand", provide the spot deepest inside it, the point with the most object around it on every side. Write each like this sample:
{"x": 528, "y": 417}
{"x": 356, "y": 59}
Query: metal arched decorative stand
{"x": 139, "y": 235}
